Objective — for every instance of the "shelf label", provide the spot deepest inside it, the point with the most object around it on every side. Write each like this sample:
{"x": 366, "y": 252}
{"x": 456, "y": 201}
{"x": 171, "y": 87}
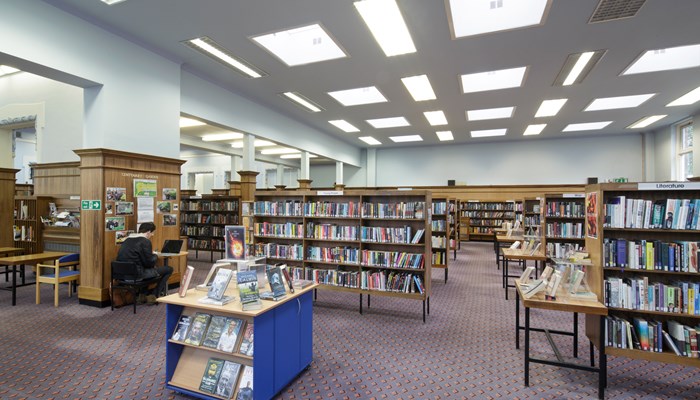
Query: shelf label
{"x": 573, "y": 195}
{"x": 91, "y": 204}
{"x": 668, "y": 186}
{"x": 329, "y": 193}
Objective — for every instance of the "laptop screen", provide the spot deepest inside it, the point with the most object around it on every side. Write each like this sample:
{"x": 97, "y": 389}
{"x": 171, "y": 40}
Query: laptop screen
{"x": 172, "y": 246}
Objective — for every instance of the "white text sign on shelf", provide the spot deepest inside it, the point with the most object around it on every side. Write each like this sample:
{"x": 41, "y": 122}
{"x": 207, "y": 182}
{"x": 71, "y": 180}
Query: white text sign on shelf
{"x": 668, "y": 186}
{"x": 329, "y": 193}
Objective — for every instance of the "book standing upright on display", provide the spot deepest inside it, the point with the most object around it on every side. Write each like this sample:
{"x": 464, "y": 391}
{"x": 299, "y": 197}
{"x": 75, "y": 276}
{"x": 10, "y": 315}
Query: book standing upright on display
{"x": 248, "y": 290}
{"x": 217, "y": 292}
{"x": 185, "y": 281}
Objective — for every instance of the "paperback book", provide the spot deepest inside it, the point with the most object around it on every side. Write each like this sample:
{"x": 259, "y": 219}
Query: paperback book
{"x": 247, "y": 341}
{"x": 204, "y": 286}
{"x": 274, "y": 278}
{"x": 245, "y": 385}
{"x": 217, "y": 291}
{"x": 198, "y": 326}
{"x": 248, "y": 290}
{"x": 183, "y": 326}
{"x": 214, "y": 331}
{"x": 211, "y": 375}
{"x": 230, "y": 334}
{"x": 234, "y": 242}
{"x": 185, "y": 282}
{"x": 227, "y": 380}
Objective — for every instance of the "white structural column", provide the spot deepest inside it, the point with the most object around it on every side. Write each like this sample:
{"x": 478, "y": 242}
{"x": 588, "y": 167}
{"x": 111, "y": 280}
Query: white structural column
{"x": 248, "y": 152}
{"x": 279, "y": 176}
{"x": 6, "y": 156}
{"x": 339, "y": 173}
{"x": 371, "y": 167}
{"x": 236, "y": 165}
{"x": 304, "y": 165}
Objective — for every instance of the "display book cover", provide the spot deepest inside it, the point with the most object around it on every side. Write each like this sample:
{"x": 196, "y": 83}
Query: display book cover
{"x": 204, "y": 286}
{"x": 248, "y": 290}
{"x": 234, "y": 242}
{"x": 277, "y": 290}
{"x": 217, "y": 292}
{"x": 185, "y": 282}
{"x": 245, "y": 384}
{"x": 198, "y": 326}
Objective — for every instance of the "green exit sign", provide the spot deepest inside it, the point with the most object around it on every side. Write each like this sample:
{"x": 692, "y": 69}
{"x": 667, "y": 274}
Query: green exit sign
{"x": 91, "y": 204}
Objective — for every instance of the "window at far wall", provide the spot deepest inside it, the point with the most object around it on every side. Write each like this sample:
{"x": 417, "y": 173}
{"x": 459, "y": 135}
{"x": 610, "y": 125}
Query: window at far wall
{"x": 685, "y": 151}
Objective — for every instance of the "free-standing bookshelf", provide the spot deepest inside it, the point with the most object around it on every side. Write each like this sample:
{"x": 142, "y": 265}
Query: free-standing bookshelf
{"x": 564, "y": 219}
{"x": 203, "y": 219}
{"x": 364, "y": 242}
{"x": 645, "y": 262}
{"x": 485, "y": 216}
{"x": 532, "y": 218}
{"x": 27, "y": 226}
{"x": 441, "y": 229}
{"x": 454, "y": 222}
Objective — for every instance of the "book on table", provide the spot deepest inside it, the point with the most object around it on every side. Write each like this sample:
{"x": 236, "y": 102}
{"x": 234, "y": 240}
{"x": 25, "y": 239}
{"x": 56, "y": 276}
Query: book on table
{"x": 230, "y": 334}
{"x": 198, "y": 326}
{"x": 217, "y": 291}
{"x": 204, "y": 286}
{"x": 228, "y": 379}
{"x": 277, "y": 289}
{"x": 245, "y": 384}
{"x": 533, "y": 288}
{"x": 185, "y": 281}
{"x": 211, "y": 375}
{"x": 248, "y": 290}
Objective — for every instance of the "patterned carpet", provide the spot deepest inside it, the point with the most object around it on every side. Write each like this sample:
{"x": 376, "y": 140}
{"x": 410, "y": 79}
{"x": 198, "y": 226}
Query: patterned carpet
{"x": 464, "y": 350}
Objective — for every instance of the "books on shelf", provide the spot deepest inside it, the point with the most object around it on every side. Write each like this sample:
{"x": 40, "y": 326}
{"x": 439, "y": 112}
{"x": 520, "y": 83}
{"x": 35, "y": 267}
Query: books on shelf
{"x": 214, "y": 331}
{"x": 230, "y": 334}
{"x": 248, "y": 290}
{"x": 198, "y": 326}
{"x": 228, "y": 379}
{"x": 246, "y": 347}
{"x": 185, "y": 281}
{"x": 211, "y": 375}
{"x": 678, "y": 214}
{"x": 183, "y": 326}
{"x": 650, "y": 335}
{"x": 245, "y": 384}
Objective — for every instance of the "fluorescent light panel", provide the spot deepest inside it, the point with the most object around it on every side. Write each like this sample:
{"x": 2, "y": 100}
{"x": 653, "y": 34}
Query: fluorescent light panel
{"x": 189, "y": 122}
{"x": 238, "y": 144}
{"x": 550, "y": 108}
{"x": 112, "y": 2}
{"x": 490, "y": 113}
{"x": 493, "y": 80}
{"x": 6, "y": 70}
{"x": 577, "y": 67}
{"x": 344, "y": 125}
{"x": 646, "y": 121}
{"x": 689, "y": 98}
{"x": 384, "y": 20}
{"x": 587, "y": 126}
{"x": 391, "y": 122}
{"x": 666, "y": 59}
{"x": 295, "y": 156}
{"x": 370, "y": 140}
{"x": 406, "y": 138}
{"x": 302, "y": 101}
{"x": 488, "y": 133}
{"x": 354, "y": 97}
{"x": 279, "y": 150}
{"x": 303, "y": 45}
{"x": 614, "y": 103}
{"x": 444, "y": 135}
{"x": 477, "y": 17}
{"x": 419, "y": 87}
{"x": 211, "y": 49}
{"x": 217, "y": 137}
{"x": 435, "y": 118}
{"x": 535, "y": 129}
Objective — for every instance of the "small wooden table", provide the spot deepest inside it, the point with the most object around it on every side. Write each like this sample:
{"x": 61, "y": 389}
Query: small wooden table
{"x": 504, "y": 239}
{"x": 520, "y": 256}
{"x": 562, "y": 303}
{"x": 22, "y": 261}
{"x": 6, "y": 252}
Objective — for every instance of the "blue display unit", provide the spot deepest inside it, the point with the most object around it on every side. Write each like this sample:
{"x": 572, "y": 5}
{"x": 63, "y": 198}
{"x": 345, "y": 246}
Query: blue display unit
{"x": 283, "y": 343}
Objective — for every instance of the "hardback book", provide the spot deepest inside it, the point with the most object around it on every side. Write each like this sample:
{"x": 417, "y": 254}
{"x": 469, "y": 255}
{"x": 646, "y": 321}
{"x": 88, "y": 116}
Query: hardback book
{"x": 181, "y": 329}
{"x": 246, "y": 347}
{"x": 534, "y": 288}
{"x": 204, "y": 286}
{"x": 525, "y": 277}
{"x": 245, "y": 384}
{"x": 546, "y": 273}
{"x": 248, "y": 290}
{"x": 198, "y": 326}
{"x": 671, "y": 344}
{"x": 515, "y": 245}
{"x": 220, "y": 284}
{"x": 287, "y": 276}
{"x": 299, "y": 284}
{"x": 230, "y": 334}
{"x": 228, "y": 379}
{"x": 211, "y": 375}
{"x": 214, "y": 331}
{"x": 274, "y": 278}
{"x": 417, "y": 236}
{"x": 185, "y": 281}
{"x": 234, "y": 242}
{"x": 553, "y": 284}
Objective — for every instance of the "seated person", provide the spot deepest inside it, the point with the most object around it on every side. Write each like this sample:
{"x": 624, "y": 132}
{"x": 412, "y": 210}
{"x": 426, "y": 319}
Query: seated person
{"x": 137, "y": 248}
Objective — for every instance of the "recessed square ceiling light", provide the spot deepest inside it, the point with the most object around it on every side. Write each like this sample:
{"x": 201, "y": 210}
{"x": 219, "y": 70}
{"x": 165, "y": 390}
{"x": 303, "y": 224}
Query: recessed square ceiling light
{"x": 238, "y": 144}
{"x": 550, "y": 108}
{"x": 419, "y": 87}
{"x": 687, "y": 99}
{"x": 392, "y": 122}
{"x": 490, "y": 113}
{"x": 535, "y": 129}
{"x": 304, "y": 45}
{"x": 188, "y": 122}
{"x": 296, "y": 156}
{"x": 370, "y": 140}
{"x": 302, "y": 101}
{"x": 6, "y": 70}
{"x": 613, "y": 103}
{"x": 666, "y": 59}
{"x": 444, "y": 135}
{"x": 406, "y": 138}
{"x": 493, "y": 80}
{"x": 488, "y": 133}
{"x": 216, "y": 137}
{"x": 476, "y": 17}
{"x": 354, "y": 97}
{"x": 384, "y": 20}
{"x": 646, "y": 121}
{"x": 344, "y": 125}
{"x": 435, "y": 118}
{"x": 279, "y": 150}
{"x": 586, "y": 126}
{"x": 217, "y": 52}
{"x": 112, "y": 2}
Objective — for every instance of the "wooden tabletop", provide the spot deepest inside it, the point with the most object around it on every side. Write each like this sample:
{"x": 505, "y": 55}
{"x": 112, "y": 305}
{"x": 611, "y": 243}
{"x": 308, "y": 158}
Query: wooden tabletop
{"x": 8, "y": 250}
{"x": 519, "y": 254}
{"x": 505, "y": 238}
{"x": 562, "y": 303}
{"x": 32, "y": 258}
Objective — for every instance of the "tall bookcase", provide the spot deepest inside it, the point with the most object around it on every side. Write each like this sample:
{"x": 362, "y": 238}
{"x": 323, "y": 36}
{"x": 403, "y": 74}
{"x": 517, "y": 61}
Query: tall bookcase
{"x": 485, "y": 216}
{"x": 629, "y": 247}
{"x": 455, "y": 223}
{"x": 441, "y": 231}
{"x": 532, "y": 217}
{"x": 353, "y": 241}
{"x": 27, "y": 224}
{"x": 564, "y": 220}
{"x": 203, "y": 219}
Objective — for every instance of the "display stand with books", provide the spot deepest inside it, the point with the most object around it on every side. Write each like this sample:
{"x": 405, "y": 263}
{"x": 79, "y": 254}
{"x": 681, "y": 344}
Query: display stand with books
{"x": 643, "y": 240}
{"x": 203, "y": 219}
{"x": 441, "y": 227}
{"x": 210, "y": 350}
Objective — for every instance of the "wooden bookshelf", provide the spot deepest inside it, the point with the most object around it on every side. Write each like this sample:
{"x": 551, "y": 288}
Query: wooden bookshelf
{"x": 564, "y": 222}
{"x": 610, "y": 229}
{"x": 353, "y": 241}
{"x": 455, "y": 224}
{"x": 27, "y": 226}
{"x": 203, "y": 219}
{"x": 441, "y": 230}
{"x": 485, "y": 216}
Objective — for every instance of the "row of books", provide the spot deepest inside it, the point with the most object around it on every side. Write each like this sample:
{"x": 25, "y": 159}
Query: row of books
{"x": 224, "y": 219}
{"x": 331, "y": 231}
{"x": 190, "y": 230}
{"x": 649, "y": 335}
{"x": 288, "y": 229}
{"x": 201, "y": 244}
{"x": 438, "y": 225}
{"x": 347, "y": 255}
{"x": 487, "y": 214}
{"x": 495, "y": 223}
{"x": 368, "y": 209}
{"x": 329, "y": 209}
{"x": 438, "y": 241}
{"x": 206, "y": 205}
{"x": 227, "y": 334}
{"x": 392, "y": 259}
{"x": 651, "y": 255}
{"x": 440, "y": 207}
{"x": 277, "y": 250}
{"x": 477, "y": 205}
{"x": 532, "y": 220}
{"x": 564, "y": 209}
{"x": 222, "y": 377}
{"x": 377, "y": 234}
{"x": 23, "y": 233}
{"x": 439, "y": 258}
{"x": 640, "y": 294}
{"x": 291, "y": 208}
{"x": 562, "y": 250}
{"x": 400, "y": 210}
{"x": 573, "y": 230}
{"x": 380, "y": 280}
{"x": 621, "y": 212}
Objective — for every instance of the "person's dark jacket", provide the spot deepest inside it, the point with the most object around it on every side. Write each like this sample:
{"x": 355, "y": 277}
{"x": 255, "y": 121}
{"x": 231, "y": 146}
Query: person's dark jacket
{"x": 137, "y": 249}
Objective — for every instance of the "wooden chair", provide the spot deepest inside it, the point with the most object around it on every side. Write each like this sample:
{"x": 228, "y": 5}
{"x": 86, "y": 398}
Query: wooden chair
{"x": 62, "y": 270}
{"x": 126, "y": 276}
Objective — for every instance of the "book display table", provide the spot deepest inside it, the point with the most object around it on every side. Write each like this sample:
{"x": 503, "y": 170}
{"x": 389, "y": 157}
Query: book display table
{"x": 501, "y": 241}
{"x": 574, "y": 306}
{"x": 521, "y": 257}
{"x": 282, "y": 333}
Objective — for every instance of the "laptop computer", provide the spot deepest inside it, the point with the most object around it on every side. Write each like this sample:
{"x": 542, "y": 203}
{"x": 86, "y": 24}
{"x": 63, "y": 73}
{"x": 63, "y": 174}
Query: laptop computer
{"x": 171, "y": 247}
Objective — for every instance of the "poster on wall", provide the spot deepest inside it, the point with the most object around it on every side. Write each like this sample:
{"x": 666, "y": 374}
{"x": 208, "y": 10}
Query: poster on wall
{"x": 124, "y": 208}
{"x": 115, "y": 194}
{"x": 145, "y": 187}
{"x": 164, "y": 207}
{"x": 169, "y": 194}
{"x": 169, "y": 219}
{"x": 114, "y": 223}
{"x": 592, "y": 215}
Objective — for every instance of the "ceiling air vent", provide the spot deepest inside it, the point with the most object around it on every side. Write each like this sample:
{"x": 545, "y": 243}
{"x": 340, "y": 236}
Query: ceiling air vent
{"x": 610, "y": 10}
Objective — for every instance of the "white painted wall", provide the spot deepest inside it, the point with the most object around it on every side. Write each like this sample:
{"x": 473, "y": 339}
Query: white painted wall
{"x": 664, "y": 154}
{"x": 218, "y": 165}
